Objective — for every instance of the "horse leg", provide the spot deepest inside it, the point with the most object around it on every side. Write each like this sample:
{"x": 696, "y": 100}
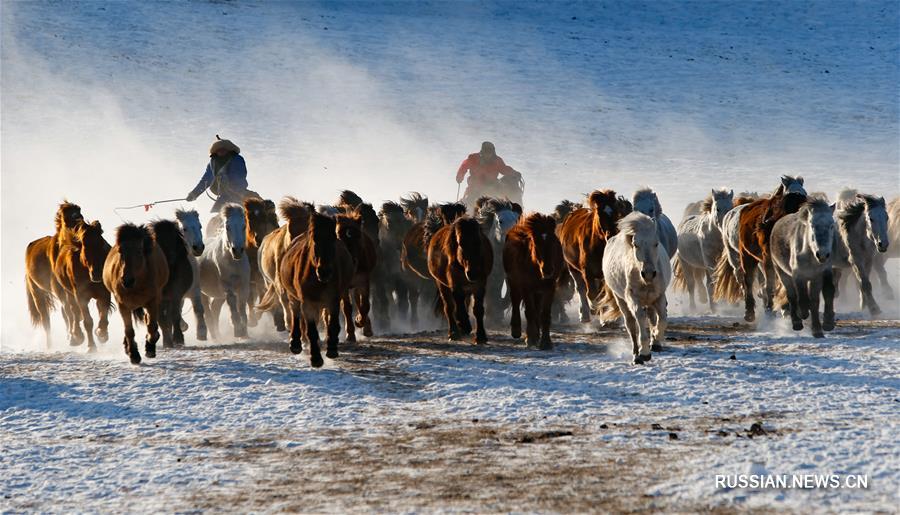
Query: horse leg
{"x": 165, "y": 322}
{"x": 802, "y": 292}
{"x": 769, "y": 277}
{"x": 698, "y": 275}
{"x": 449, "y": 311}
{"x": 515, "y": 319}
{"x": 152, "y": 328}
{"x": 545, "y": 312}
{"x": 791, "y": 289}
{"x": 312, "y": 335}
{"x": 660, "y": 323}
{"x": 242, "y": 290}
{"x": 103, "y": 307}
{"x": 688, "y": 272}
{"x": 828, "y": 296}
{"x": 531, "y": 324}
{"x": 748, "y": 265}
{"x": 347, "y": 306}
{"x": 334, "y": 327}
{"x": 462, "y": 313}
{"x": 84, "y": 308}
{"x": 710, "y": 286}
{"x": 73, "y": 318}
{"x": 865, "y": 291}
{"x": 232, "y": 301}
{"x": 296, "y": 341}
{"x": 131, "y": 348}
{"x": 211, "y": 316}
{"x": 197, "y": 307}
{"x": 175, "y": 317}
{"x": 631, "y": 326}
{"x": 413, "y": 305}
{"x": 815, "y": 291}
{"x": 478, "y": 310}
{"x": 402, "y": 298}
{"x": 362, "y": 308}
{"x": 642, "y": 319}
{"x": 878, "y": 264}
{"x": 581, "y": 286}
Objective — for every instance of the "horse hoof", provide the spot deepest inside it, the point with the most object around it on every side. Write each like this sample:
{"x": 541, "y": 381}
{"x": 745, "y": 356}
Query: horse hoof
{"x": 797, "y": 325}
{"x": 546, "y": 344}
{"x": 331, "y": 353}
{"x": 646, "y": 358}
{"x": 92, "y": 349}
{"x": 316, "y": 361}
{"x": 280, "y": 328}
{"x": 516, "y": 333}
{"x": 132, "y": 351}
{"x": 875, "y": 311}
{"x": 637, "y": 360}
{"x": 201, "y": 337}
{"x": 530, "y": 343}
{"x": 655, "y": 347}
{"x": 749, "y": 316}
{"x": 351, "y": 338}
{"x": 818, "y": 334}
{"x": 102, "y": 335}
{"x": 240, "y": 333}
{"x": 481, "y": 339}
{"x": 150, "y": 350}
{"x": 585, "y": 318}
{"x": 828, "y": 325}
{"x": 296, "y": 348}
{"x": 454, "y": 336}
{"x": 168, "y": 345}
{"x": 184, "y": 326}
{"x": 367, "y": 331}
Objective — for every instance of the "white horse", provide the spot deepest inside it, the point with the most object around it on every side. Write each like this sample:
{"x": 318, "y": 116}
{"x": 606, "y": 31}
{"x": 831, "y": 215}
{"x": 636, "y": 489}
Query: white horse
{"x": 893, "y": 209}
{"x": 645, "y": 201}
{"x": 862, "y": 233}
{"x": 700, "y": 244}
{"x": 496, "y": 217}
{"x": 801, "y": 247}
{"x": 225, "y": 271}
{"x": 637, "y": 272}
{"x": 189, "y": 221}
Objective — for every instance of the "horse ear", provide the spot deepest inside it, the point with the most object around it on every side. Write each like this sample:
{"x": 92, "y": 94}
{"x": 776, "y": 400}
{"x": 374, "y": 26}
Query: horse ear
{"x": 517, "y": 208}
{"x": 832, "y": 206}
{"x": 96, "y": 224}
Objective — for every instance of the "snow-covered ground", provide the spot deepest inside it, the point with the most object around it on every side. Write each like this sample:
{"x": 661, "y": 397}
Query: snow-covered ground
{"x": 114, "y": 104}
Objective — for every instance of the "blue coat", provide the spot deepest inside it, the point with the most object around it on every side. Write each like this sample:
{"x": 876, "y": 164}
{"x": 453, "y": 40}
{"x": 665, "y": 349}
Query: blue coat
{"x": 232, "y": 181}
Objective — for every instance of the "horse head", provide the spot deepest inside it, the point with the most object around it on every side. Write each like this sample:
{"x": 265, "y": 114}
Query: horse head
{"x": 876, "y": 220}
{"x": 135, "y": 245}
{"x": 368, "y": 219}
{"x": 93, "y": 248}
{"x": 640, "y": 234}
{"x": 542, "y": 240}
{"x": 646, "y": 201}
{"x": 189, "y": 221}
{"x": 68, "y": 215}
{"x": 819, "y": 218}
{"x": 415, "y": 206}
{"x": 466, "y": 239}
{"x": 322, "y": 237}
{"x": 723, "y": 202}
{"x": 295, "y": 214}
{"x": 606, "y": 209}
{"x": 563, "y": 210}
{"x": 234, "y": 230}
{"x": 259, "y": 219}
{"x": 348, "y": 227}
{"x": 170, "y": 240}
{"x": 450, "y": 211}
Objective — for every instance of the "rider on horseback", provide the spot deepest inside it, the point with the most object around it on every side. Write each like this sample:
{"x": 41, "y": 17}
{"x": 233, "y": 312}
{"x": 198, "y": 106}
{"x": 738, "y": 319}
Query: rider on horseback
{"x": 483, "y": 168}
{"x": 225, "y": 176}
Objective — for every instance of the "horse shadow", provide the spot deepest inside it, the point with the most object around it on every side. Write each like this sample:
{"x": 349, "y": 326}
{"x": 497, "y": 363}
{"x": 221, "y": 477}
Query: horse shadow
{"x": 19, "y": 393}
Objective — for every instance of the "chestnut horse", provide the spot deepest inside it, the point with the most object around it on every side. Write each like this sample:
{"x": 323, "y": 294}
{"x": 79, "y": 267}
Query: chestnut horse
{"x": 171, "y": 241}
{"x": 583, "y": 235}
{"x": 533, "y": 261}
{"x": 362, "y": 249}
{"x": 460, "y": 259}
{"x": 40, "y": 258}
{"x": 314, "y": 273}
{"x": 296, "y": 217}
{"x": 136, "y": 272}
{"x": 261, "y": 220}
{"x": 79, "y": 273}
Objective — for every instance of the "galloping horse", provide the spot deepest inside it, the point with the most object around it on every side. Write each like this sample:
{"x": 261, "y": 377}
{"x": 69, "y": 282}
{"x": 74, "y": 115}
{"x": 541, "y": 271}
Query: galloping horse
{"x": 583, "y": 236}
{"x": 565, "y": 290}
{"x": 415, "y": 206}
{"x": 645, "y": 201}
{"x": 533, "y": 261}
{"x": 171, "y": 241}
{"x": 79, "y": 273}
{"x": 261, "y": 220}
{"x": 40, "y": 258}
{"x": 893, "y": 251}
{"x": 394, "y": 225}
{"x": 496, "y": 217}
{"x": 225, "y": 271}
{"x": 362, "y": 251}
{"x": 637, "y": 271}
{"x": 459, "y": 260}
{"x": 136, "y": 272}
{"x": 296, "y": 217}
{"x": 314, "y": 274}
{"x": 862, "y": 234}
{"x": 189, "y": 222}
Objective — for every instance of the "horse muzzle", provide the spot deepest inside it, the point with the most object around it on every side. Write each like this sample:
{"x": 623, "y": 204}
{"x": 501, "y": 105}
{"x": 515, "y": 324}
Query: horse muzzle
{"x": 882, "y": 246}
{"x": 648, "y": 275}
{"x": 823, "y": 256}
{"x": 198, "y": 249}
{"x": 237, "y": 253}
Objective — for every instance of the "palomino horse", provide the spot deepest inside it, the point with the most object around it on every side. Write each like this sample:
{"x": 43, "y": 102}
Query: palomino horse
{"x": 496, "y": 217}
{"x": 136, "y": 272}
{"x": 862, "y": 233}
{"x": 79, "y": 272}
{"x": 533, "y": 261}
{"x": 893, "y": 251}
{"x": 225, "y": 271}
{"x": 755, "y": 222}
{"x": 413, "y": 252}
{"x": 801, "y": 246}
{"x": 637, "y": 271}
{"x": 645, "y": 201}
{"x": 362, "y": 251}
{"x": 171, "y": 241}
{"x": 261, "y": 220}
{"x": 700, "y": 245}
{"x": 393, "y": 227}
{"x": 459, "y": 260}
{"x": 583, "y": 236}
{"x": 314, "y": 274}
{"x": 189, "y": 222}
{"x": 40, "y": 258}
{"x": 296, "y": 217}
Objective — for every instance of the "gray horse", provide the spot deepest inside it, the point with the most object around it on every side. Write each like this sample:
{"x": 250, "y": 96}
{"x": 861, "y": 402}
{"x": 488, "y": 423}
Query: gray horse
{"x": 893, "y": 209}
{"x": 496, "y": 217}
{"x": 225, "y": 271}
{"x": 189, "y": 221}
{"x": 700, "y": 244}
{"x": 645, "y": 201}
{"x": 801, "y": 248}
{"x": 862, "y": 231}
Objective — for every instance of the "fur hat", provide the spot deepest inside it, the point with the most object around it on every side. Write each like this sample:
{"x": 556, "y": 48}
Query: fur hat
{"x": 223, "y": 144}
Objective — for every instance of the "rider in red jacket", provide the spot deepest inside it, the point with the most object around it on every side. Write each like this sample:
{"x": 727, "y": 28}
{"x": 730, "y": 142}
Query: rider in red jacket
{"x": 483, "y": 168}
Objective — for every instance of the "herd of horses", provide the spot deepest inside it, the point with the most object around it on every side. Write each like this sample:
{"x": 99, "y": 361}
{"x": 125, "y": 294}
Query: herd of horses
{"x": 308, "y": 266}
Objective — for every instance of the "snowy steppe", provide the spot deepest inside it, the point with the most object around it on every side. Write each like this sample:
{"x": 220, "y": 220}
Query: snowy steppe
{"x": 112, "y": 104}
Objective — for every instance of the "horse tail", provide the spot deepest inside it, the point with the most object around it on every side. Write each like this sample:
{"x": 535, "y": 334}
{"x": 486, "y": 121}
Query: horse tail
{"x": 679, "y": 283}
{"x": 727, "y": 287}
{"x": 268, "y": 301}
{"x": 606, "y": 306}
{"x": 40, "y": 303}
{"x": 138, "y": 316}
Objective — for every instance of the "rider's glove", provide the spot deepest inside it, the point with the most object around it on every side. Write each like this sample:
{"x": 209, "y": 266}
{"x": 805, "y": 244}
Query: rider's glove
{"x": 191, "y": 196}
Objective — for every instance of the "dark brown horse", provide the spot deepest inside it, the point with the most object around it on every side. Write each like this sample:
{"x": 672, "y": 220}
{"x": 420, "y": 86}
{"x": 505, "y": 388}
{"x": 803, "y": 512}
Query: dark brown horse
{"x": 362, "y": 250}
{"x": 583, "y": 236}
{"x": 460, "y": 259}
{"x": 413, "y": 253}
{"x": 394, "y": 225}
{"x": 171, "y": 241}
{"x": 40, "y": 258}
{"x": 261, "y": 220}
{"x": 272, "y": 248}
{"x": 79, "y": 273}
{"x": 565, "y": 289}
{"x": 136, "y": 272}
{"x": 533, "y": 261}
{"x": 315, "y": 273}
{"x": 415, "y": 206}
{"x": 756, "y": 222}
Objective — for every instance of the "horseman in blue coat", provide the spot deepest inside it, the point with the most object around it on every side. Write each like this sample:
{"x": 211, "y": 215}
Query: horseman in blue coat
{"x": 225, "y": 176}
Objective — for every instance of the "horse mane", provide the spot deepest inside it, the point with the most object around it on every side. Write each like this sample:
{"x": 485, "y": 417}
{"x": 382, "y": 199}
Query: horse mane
{"x": 846, "y": 196}
{"x": 368, "y": 216}
{"x": 413, "y": 200}
{"x": 390, "y": 208}
{"x": 467, "y": 226}
{"x": 433, "y": 222}
{"x": 319, "y": 223}
{"x": 291, "y": 209}
{"x": 128, "y": 232}
{"x": 231, "y": 210}
{"x": 349, "y": 198}
{"x": 254, "y": 203}
{"x": 816, "y": 204}
{"x": 646, "y": 193}
{"x": 450, "y": 211}
{"x": 563, "y": 209}
{"x": 850, "y": 214}
{"x": 495, "y": 205}
{"x": 181, "y": 213}
{"x": 635, "y": 223}
{"x": 170, "y": 239}
{"x": 538, "y": 223}
{"x": 599, "y": 200}
{"x": 59, "y": 220}
{"x": 743, "y": 199}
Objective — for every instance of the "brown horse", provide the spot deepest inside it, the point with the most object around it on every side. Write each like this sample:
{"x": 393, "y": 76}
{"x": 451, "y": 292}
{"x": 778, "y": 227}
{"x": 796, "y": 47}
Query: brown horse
{"x": 79, "y": 273}
{"x": 136, "y": 272}
{"x": 460, "y": 259}
{"x": 261, "y": 220}
{"x": 756, "y": 222}
{"x": 533, "y": 261}
{"x": 362, "y": 249}
{"x": 40, "y": 258}
{"x": 315, "y": 273}
{"x": 565, "y": 289}
{"x": 413, "y": 252}
{"x": 171, "y": 241}
{"x": 271, "y": 250}
{"x": 583, "y": 235}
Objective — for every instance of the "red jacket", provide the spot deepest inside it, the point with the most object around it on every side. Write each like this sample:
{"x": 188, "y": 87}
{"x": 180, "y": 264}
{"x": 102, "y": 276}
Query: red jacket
{"x": 481, "y": 173}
